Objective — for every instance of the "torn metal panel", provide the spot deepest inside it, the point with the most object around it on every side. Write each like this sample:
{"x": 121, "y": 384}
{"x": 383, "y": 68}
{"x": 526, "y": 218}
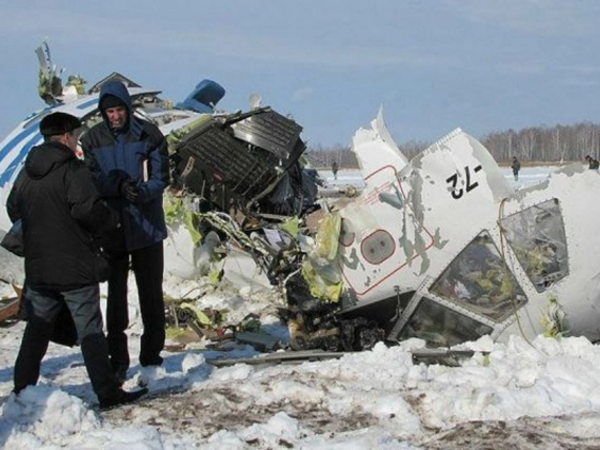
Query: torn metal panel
{"x": 296, "y": 357}
{"x": 268, "y": 130}
{"x": 417, "y": 238}
{"x": 554, "y": 220}
{"x": 375, "y": 148}
{"x": 237, "y": 160}
{"x": 242, "y": 270}
{"x": 447, "y": 251}
{"x": 182, "y": 256}
{"x": 395, "y": 239}
{"x": 260, "y": 341}
{"x": 294, "y": 194}
{"x": 446, "y": 357}
{"x": 470, "y": 160}
{"x": 114, "y": 76}
{"x": 219, "y": 168}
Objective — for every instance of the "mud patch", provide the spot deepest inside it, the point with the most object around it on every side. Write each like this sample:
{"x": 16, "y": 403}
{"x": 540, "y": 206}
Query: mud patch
{"x": 204, "y": 412}
{"x": 551, "y": 433}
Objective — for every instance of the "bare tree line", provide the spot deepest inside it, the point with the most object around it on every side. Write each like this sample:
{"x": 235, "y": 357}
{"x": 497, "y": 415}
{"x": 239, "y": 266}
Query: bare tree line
{"x": 560, "y": 143}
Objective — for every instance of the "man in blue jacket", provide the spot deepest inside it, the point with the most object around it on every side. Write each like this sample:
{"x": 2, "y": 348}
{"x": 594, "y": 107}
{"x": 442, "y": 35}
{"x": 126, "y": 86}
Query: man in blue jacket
{"x": 128, "y": 157}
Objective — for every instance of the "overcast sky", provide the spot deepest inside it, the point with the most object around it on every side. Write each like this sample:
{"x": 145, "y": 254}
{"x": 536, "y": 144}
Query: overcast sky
{"x": 434, "y": 65}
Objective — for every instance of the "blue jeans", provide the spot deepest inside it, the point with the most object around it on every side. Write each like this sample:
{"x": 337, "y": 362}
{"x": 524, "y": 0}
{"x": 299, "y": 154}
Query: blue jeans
{"x": 43, "y": 309}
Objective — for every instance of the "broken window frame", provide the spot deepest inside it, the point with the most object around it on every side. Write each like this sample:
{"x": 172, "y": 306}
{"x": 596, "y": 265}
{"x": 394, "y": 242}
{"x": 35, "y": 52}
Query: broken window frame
{"x": 439, "y": 322}
{"x": 476, "y": 280}
{"x": 542, "y": 251}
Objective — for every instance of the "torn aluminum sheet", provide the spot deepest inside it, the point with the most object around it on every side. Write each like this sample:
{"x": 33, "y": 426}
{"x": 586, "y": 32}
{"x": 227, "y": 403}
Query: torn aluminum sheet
{"x": 240, "y": 269}
{"x": 443, "y": 248}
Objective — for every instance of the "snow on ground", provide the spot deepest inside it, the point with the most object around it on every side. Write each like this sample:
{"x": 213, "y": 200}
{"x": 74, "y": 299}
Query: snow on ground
{"x": 521, "y": 395}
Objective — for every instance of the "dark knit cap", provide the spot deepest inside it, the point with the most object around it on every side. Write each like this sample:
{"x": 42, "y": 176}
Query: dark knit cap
{"x": 58, "y": 123}
{"x": 110, "y": 101}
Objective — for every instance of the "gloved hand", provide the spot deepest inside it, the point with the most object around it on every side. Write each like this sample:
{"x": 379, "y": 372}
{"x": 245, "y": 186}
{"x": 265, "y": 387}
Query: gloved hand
{"x": 129, "y": 191}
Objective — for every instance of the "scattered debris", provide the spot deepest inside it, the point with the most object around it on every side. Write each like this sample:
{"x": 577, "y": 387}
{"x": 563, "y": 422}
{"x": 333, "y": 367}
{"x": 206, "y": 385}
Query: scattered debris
{"x": 399, "y": 259}
{"x": 446, "y": 357}
{"x": 295, "y": 357}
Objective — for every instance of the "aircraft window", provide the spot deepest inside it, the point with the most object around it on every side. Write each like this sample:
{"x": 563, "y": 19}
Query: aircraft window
{"x": 346, "y": 234}
{"x": 537, "y": 236}
{"x": 442, "y": 327}
{"x": 377, "y": 247}
{"x": 479, "y": 279}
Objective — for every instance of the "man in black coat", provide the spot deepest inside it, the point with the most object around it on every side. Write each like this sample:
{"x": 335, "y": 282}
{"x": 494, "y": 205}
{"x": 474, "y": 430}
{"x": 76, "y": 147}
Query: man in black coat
{"x": 62, "y": 213}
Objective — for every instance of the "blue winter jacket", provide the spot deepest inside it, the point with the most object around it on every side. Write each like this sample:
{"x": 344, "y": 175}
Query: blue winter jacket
{"x": 137, "y": 153}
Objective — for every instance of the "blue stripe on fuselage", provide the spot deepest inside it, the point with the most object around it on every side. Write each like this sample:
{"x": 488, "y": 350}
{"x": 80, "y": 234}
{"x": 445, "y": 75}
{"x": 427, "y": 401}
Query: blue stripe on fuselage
{"x": 15, "y": 164}
{"x": 87, "y": 104}
{"x": 18, "y": 139}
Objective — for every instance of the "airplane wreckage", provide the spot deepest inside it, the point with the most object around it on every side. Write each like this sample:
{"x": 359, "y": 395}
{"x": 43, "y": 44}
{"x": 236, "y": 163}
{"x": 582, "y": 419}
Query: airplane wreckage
{"x": 441, "y": 247}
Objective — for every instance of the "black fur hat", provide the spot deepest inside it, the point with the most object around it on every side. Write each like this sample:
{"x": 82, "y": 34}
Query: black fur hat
{"x": 58, "y": 123}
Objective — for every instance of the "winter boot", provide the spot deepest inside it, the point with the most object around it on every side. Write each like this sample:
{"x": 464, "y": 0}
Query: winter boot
{"x": 121, "y": 397}
{"x": 33, "y": 348}
{"x": 101, "y": 373}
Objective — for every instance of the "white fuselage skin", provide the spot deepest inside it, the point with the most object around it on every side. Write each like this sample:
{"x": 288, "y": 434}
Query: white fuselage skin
{"x": 414, "y": 219}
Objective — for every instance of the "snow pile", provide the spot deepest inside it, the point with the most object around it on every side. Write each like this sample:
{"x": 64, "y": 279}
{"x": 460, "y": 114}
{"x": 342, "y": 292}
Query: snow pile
{"x": 375, "y": 399}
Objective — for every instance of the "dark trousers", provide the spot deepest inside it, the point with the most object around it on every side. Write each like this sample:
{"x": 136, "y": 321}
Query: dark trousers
{"x": 148, "y": 267}
{"x": 84, "y": 306}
